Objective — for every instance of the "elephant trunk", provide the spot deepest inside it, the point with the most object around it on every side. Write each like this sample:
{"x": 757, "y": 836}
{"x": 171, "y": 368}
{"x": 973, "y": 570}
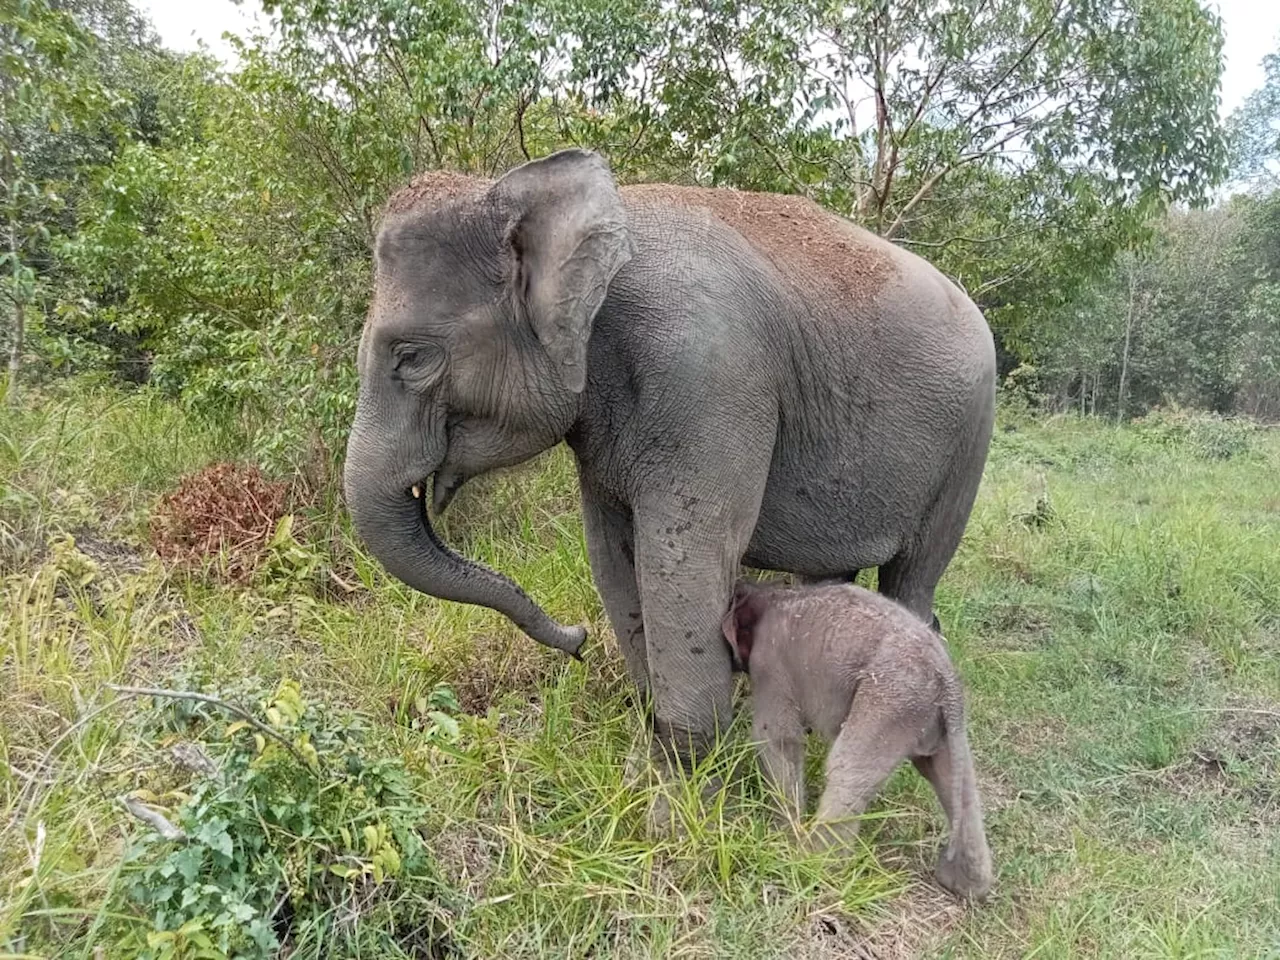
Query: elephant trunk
{"x": 394, "y": 524}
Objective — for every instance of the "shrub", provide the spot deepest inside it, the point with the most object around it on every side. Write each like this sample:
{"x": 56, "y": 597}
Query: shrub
{"x": 308, "y": 844}
{"x": 1209, "y": 435}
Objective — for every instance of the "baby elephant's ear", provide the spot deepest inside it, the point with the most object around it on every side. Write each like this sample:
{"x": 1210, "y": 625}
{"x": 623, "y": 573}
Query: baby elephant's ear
{"x": 729, "y": 627}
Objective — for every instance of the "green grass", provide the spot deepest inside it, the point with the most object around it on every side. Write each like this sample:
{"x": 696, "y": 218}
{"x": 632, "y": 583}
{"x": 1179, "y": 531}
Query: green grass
{"x": 1114, "y": 609}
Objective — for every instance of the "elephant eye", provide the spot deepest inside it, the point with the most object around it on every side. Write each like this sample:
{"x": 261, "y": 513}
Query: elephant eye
{"x": 418, "y": 363}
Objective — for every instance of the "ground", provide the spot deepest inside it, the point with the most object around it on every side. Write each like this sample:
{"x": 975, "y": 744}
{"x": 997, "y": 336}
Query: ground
{"x": 1114, "y": 610}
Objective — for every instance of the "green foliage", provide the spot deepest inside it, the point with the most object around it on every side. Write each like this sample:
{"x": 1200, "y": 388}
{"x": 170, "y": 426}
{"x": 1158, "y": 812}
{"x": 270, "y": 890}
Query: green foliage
{"x": 45, "y": 89}
{"x": 1208, "y": 436}
{"x": 1193, "y": 321}
{"x": 1017, "y": 144}
{"x": 298, "y": 846}
{"x": 221, "y": 248}
{"x": 1254, "y": 129}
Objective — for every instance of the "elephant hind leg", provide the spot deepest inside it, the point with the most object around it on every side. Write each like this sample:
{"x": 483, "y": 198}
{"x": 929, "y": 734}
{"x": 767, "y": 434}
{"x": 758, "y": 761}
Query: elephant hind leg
{"x": 912, "y": 576}
{"x": 878, "y": 735}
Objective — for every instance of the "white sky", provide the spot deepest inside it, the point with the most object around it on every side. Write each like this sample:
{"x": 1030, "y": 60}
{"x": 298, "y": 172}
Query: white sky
{"x": 1252, "y": 30}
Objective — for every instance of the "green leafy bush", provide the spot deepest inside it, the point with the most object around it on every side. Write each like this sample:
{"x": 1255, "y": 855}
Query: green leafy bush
{"x": 309, "y": 841}
{"x": 1208, "y": 435}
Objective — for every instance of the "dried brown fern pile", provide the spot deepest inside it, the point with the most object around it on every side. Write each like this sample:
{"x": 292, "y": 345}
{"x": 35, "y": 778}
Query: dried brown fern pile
{"x": 225, "y": 513}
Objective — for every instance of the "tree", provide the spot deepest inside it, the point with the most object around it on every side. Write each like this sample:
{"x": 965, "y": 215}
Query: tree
{"x": 1055, "y": 130}
{"x": 1255, "y": 131}
{"x": 1019, "y": 146}
{"x": 45, "y": 89}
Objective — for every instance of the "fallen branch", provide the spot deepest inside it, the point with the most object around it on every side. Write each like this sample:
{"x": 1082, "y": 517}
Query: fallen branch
{"x": 191, "y": 757}
{"x": 153, "y": 818}
{"x": 342, "y": 584}
{"x": 214, "y": 701}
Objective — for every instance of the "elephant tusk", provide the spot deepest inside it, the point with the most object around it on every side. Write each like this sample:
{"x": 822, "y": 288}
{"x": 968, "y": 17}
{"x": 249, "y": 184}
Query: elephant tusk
{"x": 417, "y": 492}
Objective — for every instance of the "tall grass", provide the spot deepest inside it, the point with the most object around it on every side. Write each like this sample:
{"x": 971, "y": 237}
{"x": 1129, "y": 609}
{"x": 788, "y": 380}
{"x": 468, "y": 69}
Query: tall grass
{"x": 1114, "y": 610}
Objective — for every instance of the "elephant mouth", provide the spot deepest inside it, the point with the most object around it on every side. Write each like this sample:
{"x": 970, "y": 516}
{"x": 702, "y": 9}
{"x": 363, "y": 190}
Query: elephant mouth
{"x": 442, "y": 490}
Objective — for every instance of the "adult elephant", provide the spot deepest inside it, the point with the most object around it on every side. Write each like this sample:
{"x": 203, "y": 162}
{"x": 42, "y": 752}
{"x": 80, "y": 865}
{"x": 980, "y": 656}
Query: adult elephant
{"x": 741, "y": 377}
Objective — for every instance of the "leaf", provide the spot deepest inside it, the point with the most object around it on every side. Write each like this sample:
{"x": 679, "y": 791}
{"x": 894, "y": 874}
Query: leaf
{"x": 284, "y": 531}
{"x": 444, "y": 698}
{"x": 447, "y": 725}
{"x": 192, "y": 926}
{"x": 214, "y": 835}
{"x": 391, "y": 858}
{"x": 242, "y": 912}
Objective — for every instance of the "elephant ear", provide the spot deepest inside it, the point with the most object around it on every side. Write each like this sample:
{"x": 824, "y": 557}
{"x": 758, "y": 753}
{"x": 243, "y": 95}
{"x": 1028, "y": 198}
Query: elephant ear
{"x": 567, "y": 238}
{"x": 738, "y": 627}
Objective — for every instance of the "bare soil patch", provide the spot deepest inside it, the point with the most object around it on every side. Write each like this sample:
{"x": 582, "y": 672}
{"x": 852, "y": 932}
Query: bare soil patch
{"x": 909, "y": 926}
{"x": 490, "y": 667}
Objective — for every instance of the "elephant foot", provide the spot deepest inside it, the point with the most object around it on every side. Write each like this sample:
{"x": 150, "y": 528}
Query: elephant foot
{"x": 785, "y": 822}
{"x": 830, "y": 836}
{"x": 662, "y": 821}
{"x": 638, "y": 768}
{"x": 672, "y": 808}
{"x": 966, "y": 874}
{"x": 672, "y": 804}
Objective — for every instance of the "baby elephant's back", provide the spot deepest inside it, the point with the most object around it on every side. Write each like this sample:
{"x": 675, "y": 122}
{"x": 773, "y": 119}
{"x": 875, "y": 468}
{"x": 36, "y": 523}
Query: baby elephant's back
{"x": 851, "y": 642}
{"x": 875, "y": 630}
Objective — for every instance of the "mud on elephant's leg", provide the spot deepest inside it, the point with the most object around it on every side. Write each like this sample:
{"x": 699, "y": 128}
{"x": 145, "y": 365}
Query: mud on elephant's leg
{"x": 611, "y": 550}
{"x": 687, "y": 563}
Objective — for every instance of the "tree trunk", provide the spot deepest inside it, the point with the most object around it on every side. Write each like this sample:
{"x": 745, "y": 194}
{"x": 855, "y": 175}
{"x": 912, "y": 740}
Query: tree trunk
{"x": 1128, "y": 341}
{"x": 15, "y": 351}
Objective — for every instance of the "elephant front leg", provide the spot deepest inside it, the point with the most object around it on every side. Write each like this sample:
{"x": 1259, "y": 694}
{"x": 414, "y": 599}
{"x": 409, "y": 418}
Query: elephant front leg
{"x": 611, "y": 550}
{"x": 686, "y": 563}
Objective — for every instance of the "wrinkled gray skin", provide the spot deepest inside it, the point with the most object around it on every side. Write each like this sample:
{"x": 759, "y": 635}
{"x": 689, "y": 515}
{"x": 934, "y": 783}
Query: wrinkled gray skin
{"x": 725, "y": 402}
{"x": 877, "y": 685}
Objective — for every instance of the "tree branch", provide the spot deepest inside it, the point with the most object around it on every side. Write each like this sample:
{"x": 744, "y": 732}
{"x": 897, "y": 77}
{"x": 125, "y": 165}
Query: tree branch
{"x": 153, "y": 818}
{"x": 960, "y": 238}
{"x": 1022, "y": 58}
{"x": 231, "y": 708}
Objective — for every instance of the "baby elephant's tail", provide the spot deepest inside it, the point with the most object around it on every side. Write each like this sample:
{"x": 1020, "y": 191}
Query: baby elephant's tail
{"x": 965, "y": 865}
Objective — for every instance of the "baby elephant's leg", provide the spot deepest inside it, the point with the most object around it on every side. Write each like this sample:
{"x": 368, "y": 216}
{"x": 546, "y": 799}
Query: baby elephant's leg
{"x": 877, "y": 736}
{"x": 780, "y": 739}
{"x": 964, "y": 867}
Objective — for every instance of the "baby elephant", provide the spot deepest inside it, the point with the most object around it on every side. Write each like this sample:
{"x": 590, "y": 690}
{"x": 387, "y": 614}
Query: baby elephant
{"x": 876, "y": 684}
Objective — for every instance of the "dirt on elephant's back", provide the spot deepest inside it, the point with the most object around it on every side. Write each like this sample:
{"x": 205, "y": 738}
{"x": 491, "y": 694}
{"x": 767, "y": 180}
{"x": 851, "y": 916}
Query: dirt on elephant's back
{"x": 806, "y": 243}
{"x": 434, "y": 187}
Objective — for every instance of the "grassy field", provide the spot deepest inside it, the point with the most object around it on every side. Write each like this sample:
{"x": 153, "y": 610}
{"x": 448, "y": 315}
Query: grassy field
{"x": 1114, "y": 609}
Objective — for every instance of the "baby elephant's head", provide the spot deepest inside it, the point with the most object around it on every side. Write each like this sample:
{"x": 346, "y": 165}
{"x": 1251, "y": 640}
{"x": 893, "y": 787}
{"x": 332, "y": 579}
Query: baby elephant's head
{"x": 739, "y": 624}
